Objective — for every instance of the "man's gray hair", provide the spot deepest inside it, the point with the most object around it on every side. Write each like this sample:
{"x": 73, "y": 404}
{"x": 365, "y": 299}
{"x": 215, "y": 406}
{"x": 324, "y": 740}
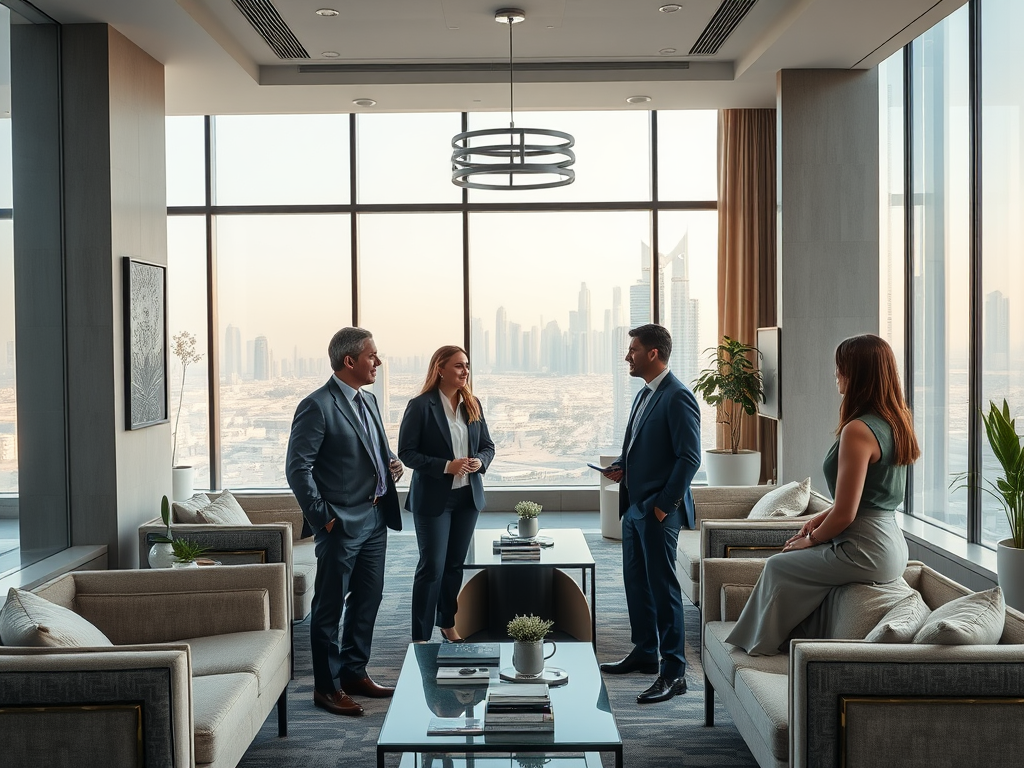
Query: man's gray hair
{"x": 348, "y": 342}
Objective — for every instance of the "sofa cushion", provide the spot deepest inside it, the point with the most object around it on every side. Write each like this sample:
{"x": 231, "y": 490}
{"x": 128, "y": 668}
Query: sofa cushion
{"x": 223, "y": 707}
{"x": 975, "y": 619}
{"x": 902, "y": 621}
{"x": 224, "y": 511}
{"x": 33, "y": 621}
{"x": 734, "y": 597}
{"x": 730, "y": 658}
{"x": 853, "y": 610}
{"x": 187, "y": 511}
{"x": 688, "y": 554}
{"x": 787, "y": 500}
{"x": 764, "y": 696}
{"x": 304, "y": 565}
{"x": 256, "y": 653}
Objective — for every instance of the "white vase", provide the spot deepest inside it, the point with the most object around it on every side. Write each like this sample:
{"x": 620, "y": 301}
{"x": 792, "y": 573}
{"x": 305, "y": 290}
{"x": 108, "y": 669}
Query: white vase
{"x": 1010, "y": 567}
{"x": 528, "y": 657}
{"x": 161, "y": 555}
{"x": 189, "y": 564}
{"x": 181, "y": 483}
{"x": 727, "y": 468}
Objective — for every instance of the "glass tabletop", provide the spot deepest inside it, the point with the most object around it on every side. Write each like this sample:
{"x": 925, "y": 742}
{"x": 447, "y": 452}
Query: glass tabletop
{"x": 570, "y": 550}
{"x": 583, "y": 715}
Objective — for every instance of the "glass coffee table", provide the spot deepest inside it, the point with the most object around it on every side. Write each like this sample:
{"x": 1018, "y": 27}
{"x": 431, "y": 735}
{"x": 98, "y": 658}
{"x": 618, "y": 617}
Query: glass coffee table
{"x": 503, "y": 589}
{"x": 584, "y": 723}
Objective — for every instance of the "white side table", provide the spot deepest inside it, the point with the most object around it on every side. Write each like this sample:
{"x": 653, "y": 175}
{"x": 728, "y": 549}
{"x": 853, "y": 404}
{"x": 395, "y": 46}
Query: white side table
{"x": 611, "y": 525}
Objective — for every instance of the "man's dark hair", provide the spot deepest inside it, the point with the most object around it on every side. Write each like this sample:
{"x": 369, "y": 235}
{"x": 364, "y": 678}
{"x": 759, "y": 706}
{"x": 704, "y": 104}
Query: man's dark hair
{"x": 653, "y": 336}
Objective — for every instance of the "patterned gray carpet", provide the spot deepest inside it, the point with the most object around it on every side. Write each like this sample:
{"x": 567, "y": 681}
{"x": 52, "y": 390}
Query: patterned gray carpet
{"x": 654, "y": 736}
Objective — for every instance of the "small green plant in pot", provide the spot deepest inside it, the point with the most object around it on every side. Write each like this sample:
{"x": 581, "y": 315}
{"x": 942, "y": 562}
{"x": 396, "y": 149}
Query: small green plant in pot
{"x": 186, "y": 552}
{"x": 528, "y": 653}
{"x": 161, "y": 554}
{"x": 528, "y": 512}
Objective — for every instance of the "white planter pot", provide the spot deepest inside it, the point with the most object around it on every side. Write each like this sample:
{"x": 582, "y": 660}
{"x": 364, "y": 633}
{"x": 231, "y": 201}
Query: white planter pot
{"x": 1010, "y": 567}
{"x": 528, "y": 657}
{"x": 161, "y": 556}
{"x": 727, "y": 468}
{"x": 189, "y": 564}
{"x": 526, "y": 528}
{"x": 181, "y": 483}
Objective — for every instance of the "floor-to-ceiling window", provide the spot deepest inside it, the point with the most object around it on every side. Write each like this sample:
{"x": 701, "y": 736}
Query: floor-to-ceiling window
{"x": 301, "y": 242}
{"x": 8, "y": 384}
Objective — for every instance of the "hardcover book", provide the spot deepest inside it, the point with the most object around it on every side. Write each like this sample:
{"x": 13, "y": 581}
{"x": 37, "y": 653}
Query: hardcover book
{"x": 468, "y": 655}
{"x": 466, "y": 675}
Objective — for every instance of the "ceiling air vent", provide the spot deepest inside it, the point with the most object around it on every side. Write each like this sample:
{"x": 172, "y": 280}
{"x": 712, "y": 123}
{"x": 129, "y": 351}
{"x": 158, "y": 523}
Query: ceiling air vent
{"x": 728, "y": 16}
{"x": 271, "y": 27}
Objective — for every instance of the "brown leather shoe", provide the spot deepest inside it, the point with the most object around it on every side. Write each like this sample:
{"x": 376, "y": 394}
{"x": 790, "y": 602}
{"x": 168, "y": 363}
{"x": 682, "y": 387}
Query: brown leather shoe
{"x": 366, "y": 687}
{"x": 337, "y": 703}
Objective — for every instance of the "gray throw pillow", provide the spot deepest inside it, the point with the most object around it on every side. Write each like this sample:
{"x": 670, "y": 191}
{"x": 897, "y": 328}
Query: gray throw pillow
{"x": 902, "y": 621}
{"x": 28, "y": 620}
{"x": 975, "y": 619}
{"x": 188, "y": 511}
{"x": 853, "y": 610}
{"x": 224, "y": 511}
{"x": 787, "y": 500}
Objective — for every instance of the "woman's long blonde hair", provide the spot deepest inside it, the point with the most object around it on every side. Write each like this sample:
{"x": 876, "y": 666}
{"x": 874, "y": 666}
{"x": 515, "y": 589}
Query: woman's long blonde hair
{"x": 433, "y": 381}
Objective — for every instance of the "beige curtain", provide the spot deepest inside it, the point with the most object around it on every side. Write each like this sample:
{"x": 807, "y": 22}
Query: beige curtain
{"x": 746, "y": 248}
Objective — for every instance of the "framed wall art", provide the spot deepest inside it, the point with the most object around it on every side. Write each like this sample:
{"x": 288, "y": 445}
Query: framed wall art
{"x": 769, "y": 344}
{"x": 145, "y": 343}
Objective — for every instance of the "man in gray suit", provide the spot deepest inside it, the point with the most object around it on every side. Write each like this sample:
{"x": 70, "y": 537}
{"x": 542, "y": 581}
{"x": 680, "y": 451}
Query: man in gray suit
{"x": 343, "y": 474}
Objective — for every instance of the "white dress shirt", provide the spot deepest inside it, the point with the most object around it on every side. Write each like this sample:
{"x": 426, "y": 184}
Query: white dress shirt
{"x": 460, "y": 437}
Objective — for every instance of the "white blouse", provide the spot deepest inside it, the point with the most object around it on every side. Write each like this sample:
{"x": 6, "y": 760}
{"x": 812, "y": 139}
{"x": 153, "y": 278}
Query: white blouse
{"x": 460, "y": 437}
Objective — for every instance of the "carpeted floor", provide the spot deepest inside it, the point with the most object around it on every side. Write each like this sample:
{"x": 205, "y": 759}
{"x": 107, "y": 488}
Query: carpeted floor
{"x": 662, "y": 735}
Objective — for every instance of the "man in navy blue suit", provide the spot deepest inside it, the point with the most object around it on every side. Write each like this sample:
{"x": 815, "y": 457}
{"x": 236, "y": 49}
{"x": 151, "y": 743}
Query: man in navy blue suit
{"x": 660, "y": 455}
{"x": 343, "y": 474}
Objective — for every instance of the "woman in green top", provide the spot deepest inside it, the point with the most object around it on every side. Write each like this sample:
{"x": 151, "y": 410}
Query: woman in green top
{"x": 856, "y": 540}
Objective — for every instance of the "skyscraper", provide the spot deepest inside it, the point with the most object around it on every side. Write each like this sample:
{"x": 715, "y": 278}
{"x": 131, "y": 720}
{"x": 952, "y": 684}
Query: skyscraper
{"x": 231, "y": 364}
{"x": 261, "y": 365}
{"x": 685, "y": 316}
{"x": 996, "y": 355}
{"x": 501, "y": 346}
{"x": 515, "y": 347}
{"x": 584, "y": 328}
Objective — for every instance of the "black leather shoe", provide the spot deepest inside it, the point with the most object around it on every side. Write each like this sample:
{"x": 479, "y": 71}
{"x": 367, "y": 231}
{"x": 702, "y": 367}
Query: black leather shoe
{"x": 662, "y": 690}
{"x": 634, "y": 662}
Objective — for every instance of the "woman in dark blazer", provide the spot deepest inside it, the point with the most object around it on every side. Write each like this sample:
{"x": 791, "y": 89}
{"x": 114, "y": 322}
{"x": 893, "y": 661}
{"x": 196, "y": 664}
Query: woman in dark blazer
{"x": 444, "y": 440}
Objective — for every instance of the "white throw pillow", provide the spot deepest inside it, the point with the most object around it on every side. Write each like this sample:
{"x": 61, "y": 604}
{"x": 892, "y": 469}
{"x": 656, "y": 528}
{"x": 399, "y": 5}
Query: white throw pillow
{"x": 975, "y": 619}
{"x": 853, "y": 610}
{"x": 902, "y": 621}
{"x": 785, "y": 501}
{"x": 224, "y": 511}
{"x": 188, "y": 511}
{"x": 28, "y": 620}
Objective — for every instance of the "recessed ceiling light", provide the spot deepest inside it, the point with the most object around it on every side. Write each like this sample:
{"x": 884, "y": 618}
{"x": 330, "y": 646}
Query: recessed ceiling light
{"x": 364, "y": 102}
{"x": 638, "y": 99}
{"x": 453, "y": 28}
{"x": 327, "y": 12}
{"x": 330, "y": 54}
{"x": 667, "y": 51}
{"x": 670, "y": 8}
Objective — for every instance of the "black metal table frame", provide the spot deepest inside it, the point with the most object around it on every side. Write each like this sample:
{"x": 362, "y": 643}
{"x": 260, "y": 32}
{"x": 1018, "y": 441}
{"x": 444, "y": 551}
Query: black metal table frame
{"x": 483, "y": 749}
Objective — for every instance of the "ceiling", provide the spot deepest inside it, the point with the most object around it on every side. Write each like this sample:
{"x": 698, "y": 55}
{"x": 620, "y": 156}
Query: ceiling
{"x": 450, "y": 55}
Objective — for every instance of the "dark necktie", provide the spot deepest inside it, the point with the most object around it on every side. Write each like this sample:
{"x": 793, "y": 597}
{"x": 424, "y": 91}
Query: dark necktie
{"x": 371, "y": 432}
{"x": 638, "y": 411}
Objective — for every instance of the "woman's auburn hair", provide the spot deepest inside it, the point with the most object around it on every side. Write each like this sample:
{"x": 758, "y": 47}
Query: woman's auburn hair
{"x": 433, "y": 380}
{"x": 872, "y": 378}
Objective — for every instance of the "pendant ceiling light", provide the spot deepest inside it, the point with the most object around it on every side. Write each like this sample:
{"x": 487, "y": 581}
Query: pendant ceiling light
{"x": 512, "y": 158}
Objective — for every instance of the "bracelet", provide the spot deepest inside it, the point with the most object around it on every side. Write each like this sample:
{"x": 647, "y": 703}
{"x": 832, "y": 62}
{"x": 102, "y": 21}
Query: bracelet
{"x": 814, "y": 541}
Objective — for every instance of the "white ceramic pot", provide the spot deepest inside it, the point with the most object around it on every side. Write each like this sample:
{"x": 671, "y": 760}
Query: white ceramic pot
{"x": 181, "y": 483}
{"x": 189, "y": 564}
{"x": 727, "y": 468}
{"x": 161, "y": 555}
{"x": 528, "y": 657}
{"x": 1010, "y": 567}
{"x": 527, "y": 527}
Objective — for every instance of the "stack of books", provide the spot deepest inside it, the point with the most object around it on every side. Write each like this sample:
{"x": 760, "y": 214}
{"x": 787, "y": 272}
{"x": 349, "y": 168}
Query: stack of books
{"x": 518, "y": 708}
{"x": 516, "y": 548}
{"x": 467, "y": 663}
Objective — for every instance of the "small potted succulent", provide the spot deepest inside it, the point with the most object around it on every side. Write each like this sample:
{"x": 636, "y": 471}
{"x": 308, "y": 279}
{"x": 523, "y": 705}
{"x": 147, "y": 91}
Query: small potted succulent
{"x": 186, "y": 552}
{"x": 529, "y": 632}
{"x": 528, "y": 512}
{"x": 161, "y": 555}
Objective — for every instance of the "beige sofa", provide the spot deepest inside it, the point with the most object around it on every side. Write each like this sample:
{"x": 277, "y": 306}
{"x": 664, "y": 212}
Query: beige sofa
{"x": 273, "y": 537}
{"x": 200, "y": 658}
{"x": 715, "y": 503}
{"x": 832, "y": 703}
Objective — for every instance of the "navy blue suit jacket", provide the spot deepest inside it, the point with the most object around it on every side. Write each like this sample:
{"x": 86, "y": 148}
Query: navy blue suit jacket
{"x": 425, "y": 446}
{"x": 330, "y": 466}
{"x": 665, "y": 455}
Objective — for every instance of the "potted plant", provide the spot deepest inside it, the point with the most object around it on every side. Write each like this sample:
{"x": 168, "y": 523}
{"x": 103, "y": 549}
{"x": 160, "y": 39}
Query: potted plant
{"x": 528, "y": 512}
{"x": 733, "y": 385}
{"x": 182, "y": 476}
{"x": 161, "y": 554}
{"x": 529, "y": 632}
{"x": 185, "y": 553}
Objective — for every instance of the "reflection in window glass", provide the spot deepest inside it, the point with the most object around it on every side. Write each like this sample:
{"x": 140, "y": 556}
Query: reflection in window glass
{"x": 406, "y": 158}
{"x": 285, "y": 288}
{"x": 1003, "y": 232}
{"x": 186, "y": 292}
{"x": 891, "y": 268}
{"x": 410, "y": 273}
{"x": 8, "y": 384}
{"x": 281, "y": 159}
{"x": 687, "y": 157}
{"x": 689, "y": 274}
{"x": 553, "y": 297}
{"x": 612, "y": 155}
{"x": 941, "y": 248}
{"x": 186, "y": 160}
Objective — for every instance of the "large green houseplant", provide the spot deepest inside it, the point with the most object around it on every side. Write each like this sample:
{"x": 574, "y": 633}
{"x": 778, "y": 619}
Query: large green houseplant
{"x": 733, "y": 385}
